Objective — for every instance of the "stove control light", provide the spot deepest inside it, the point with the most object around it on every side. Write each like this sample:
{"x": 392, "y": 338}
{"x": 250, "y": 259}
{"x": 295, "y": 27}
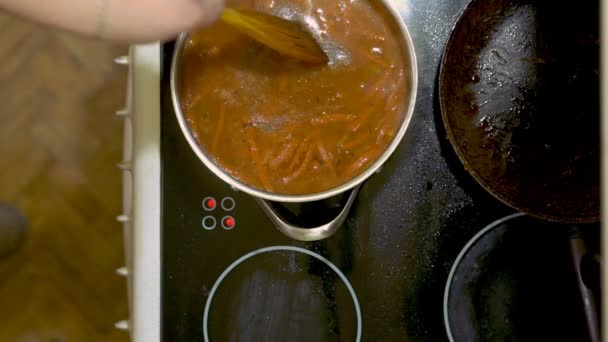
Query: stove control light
{"x": 228, "y": 223}
{"x": 228, "y": 203}
{"x": 209, "y": 204}
{"x": 209, "y": 223}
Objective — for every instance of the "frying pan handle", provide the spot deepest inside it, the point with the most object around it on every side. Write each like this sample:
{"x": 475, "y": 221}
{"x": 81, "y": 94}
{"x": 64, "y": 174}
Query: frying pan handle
{"x": 309, "y": 234}
{"x": 579, "y": 251}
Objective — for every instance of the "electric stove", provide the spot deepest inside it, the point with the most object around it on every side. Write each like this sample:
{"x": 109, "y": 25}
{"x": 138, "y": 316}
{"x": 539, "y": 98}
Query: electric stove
{"x": 228, "y": 274}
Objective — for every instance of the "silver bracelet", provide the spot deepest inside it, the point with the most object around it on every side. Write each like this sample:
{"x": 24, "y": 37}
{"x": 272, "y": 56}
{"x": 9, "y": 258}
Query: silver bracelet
{"x": 102, "y": 17}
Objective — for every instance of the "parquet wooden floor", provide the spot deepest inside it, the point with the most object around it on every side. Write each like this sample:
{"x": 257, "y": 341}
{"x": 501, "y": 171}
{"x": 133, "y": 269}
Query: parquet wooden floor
{"x": 59, "y": 143}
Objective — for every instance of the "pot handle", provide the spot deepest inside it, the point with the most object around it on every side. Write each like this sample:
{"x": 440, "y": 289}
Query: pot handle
{"x": 579, "y": 252}
{"x": 309, "y": 234}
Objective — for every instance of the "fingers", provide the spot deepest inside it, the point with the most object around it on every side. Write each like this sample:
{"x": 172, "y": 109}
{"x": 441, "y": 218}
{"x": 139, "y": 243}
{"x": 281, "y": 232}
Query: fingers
{"x": 140, "y": 21}
{"x": 210, "y": 11}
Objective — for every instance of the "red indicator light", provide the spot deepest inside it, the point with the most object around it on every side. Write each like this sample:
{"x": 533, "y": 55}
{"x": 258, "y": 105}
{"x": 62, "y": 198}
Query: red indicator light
{"x": 209, "y": 203}
{"x": 229, "y": 222}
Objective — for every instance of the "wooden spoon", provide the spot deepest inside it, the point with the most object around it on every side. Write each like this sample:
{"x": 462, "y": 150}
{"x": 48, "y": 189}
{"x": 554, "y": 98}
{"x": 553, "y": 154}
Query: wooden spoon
{"x": 284, "y": 36}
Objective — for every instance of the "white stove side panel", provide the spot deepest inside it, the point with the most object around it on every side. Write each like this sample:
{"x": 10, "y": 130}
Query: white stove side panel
{"x": 145, "y": 323}
{"x": 604, "y": 135}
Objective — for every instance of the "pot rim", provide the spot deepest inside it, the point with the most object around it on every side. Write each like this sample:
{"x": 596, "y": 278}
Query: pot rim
{"x": 236, "y": 184}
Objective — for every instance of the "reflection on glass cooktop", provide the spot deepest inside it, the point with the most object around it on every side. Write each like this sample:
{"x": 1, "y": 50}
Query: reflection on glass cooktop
{"x": 230, "y": 275}
{"x": 282, "y": 293}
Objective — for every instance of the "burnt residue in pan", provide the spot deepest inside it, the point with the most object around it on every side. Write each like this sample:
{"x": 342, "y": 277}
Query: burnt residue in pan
{"x": 520, "y": 101}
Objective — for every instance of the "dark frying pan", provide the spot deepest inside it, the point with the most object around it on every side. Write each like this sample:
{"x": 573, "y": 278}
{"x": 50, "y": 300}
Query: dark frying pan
{"x": 519, "y": 96}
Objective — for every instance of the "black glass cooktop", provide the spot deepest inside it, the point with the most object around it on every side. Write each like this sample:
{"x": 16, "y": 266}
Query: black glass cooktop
{"x": 230, "y": 275}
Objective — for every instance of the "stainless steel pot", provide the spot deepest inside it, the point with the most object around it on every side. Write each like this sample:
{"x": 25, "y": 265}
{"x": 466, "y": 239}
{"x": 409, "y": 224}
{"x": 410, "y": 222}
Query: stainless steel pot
{"x": 298, "y": 233}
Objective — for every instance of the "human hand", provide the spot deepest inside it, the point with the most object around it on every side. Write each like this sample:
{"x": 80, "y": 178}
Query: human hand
{"x": 128, "y": 21}
{"x": 151, "y": 20}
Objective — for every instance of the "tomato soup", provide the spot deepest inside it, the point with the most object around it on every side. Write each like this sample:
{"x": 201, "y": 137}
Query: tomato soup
{"x": 290, "y": 128}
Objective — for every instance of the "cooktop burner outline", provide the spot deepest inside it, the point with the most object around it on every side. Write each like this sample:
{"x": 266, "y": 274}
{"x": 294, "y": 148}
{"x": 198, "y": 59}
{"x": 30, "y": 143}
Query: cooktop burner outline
{"x": 256, "y": 252}
{"x": 463, "y": 252}
{"x": 520, "y": 267}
